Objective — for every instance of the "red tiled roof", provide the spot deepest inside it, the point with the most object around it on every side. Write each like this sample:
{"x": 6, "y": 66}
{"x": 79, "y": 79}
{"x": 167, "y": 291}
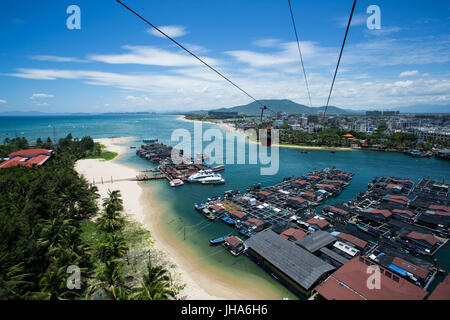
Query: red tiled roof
{"x": 442, "y": 291}
{"x": 38, "y": 160}
{"x": 264, "y": 193}
{"x": 338, "y": 210}
{"x": 438, "y": 207}
{"x": 254, "y": 221}
{"x": 404, "y": 198}
{"x": 309, "y": 194}
{"x": 12, "y": 162}
{"x": 28, "y": 152}
{"x": 300, "y": 181}
{"x": 297, "y": 199}
{"x": 352, "y": 239}
{"x": 238, "y": 214}
{"x": 321, "y": 223}
{"x": 423, "y": 236}
{"x": 313, "y": 177}
{"x": 407, "y": 212}
{"x": 216, "y": 207}
{"x": 353, "y": 275}
{"x": 327, "y": 186}
{"x": 234, "y": 241}
{"x": 385, "y": 213}
{"x": 410, "y": 267}
{"x": 297, "y": 234}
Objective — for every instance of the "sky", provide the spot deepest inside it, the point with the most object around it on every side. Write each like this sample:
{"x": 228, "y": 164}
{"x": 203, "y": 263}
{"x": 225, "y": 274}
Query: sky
{"x": 117, "y": 63}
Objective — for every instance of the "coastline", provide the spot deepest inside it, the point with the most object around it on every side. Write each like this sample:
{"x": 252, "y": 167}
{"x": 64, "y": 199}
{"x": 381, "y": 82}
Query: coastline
{"x": 140, "y": 204}
{"x": 229, "y": 127}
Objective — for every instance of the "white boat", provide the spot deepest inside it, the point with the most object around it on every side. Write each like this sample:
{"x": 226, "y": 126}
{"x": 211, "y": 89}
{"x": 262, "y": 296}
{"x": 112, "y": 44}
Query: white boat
{"x": 215, "y": 179}
{"x": 176, "y": 183}
{"x": 200, "y": 175}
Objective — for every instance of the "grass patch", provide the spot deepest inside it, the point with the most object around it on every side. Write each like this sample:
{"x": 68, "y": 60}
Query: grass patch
{"x": 100, "y": 152}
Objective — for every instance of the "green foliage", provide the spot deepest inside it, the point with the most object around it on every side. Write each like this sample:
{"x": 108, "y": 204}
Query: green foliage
{"x": 99, "y": 152}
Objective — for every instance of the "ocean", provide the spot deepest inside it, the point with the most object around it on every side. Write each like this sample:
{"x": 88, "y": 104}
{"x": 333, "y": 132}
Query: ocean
{"x": 189, "y": 228}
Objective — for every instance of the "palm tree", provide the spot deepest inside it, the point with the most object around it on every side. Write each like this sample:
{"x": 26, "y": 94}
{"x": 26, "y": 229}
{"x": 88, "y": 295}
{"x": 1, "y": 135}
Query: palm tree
{"x": 156, "y": 284}
{"x": 112, "y": 246}
{"x": 114, "y": 201}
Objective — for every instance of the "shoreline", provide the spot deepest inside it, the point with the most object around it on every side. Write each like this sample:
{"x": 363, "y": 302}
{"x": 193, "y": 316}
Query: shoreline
{"x": 229, "y": 127}
{"x": 140, "y": 205}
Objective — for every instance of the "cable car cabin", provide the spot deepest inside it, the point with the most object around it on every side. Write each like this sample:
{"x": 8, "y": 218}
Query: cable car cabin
{"x": 265, "y": 136}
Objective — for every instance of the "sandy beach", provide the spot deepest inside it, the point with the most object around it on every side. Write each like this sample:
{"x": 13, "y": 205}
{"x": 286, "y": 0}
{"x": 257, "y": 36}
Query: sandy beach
{"x": 229, "y": 127}
{"x": 140, "y": 204}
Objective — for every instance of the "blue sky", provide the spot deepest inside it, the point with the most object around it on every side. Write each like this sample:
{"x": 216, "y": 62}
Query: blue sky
{"x": 115, "y": 63}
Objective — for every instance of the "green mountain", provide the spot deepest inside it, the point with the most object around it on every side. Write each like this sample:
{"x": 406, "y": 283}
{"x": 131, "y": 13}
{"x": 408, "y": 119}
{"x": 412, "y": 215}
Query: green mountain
{"x": 287, "y": 106}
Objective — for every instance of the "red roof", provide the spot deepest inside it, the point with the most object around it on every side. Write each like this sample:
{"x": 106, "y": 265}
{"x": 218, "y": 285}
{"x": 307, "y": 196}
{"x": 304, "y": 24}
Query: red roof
{"x": 352, "y": 239}
{"x": 216, "y": 207}
{"x": 309, "y": 194}
{"x": 264, "y": 193}
{"x": 407, "y": 212}
{"x": 254, "y": 221}
{"x": 321, "y": 223}
{"x": 327, "y": 186}
{"x": 438, "y": 207}
{"x": 313, "y": 177}
{"x": 234, "y": 241}
{"x": 300, "y": 181}
{"x": 353, "y": 276}
{"x": 238, "y": 214}
{"x": 391, "y": 186}
{"x": 297, "y": 199}
{"x": 410, "y": 267}
{"x": 38, "y": 160}
{"x": 392, "y": 196}
{"x": 423, "y": 236}
{"x": 337, "y": 181}
{"x": 297, "y": 234}
{"x": 385, "y": 213}
{"x": 27, "y": 162}
{"x": 442, "y": 291}
{"x": 339, "y": 210}
{"x": 12, "y": 162}
{"x": 403, "y": 180}
{"x": 29, "y": 152}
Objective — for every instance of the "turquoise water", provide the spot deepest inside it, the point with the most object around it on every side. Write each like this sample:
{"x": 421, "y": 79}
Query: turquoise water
{"x": 191, "y": 229}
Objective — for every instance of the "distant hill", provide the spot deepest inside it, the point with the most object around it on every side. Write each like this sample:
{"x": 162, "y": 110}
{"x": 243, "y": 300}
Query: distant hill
{"x": 285, "y": 105}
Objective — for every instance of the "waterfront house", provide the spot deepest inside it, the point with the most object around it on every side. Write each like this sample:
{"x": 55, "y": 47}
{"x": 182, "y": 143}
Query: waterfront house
{"x": 296, "y": 267}
{"x": 309, "y": 196}
{"x": 338, "y": 210}
{"x": 217, "y": 210}
{"x": 235, "y": 214}
{"x": 297, "y": 203}
{"x": 234, "y": 245}
{"x": 350, "y": 283}
{"x": 358, "y": 243}
{"x": 423, "y": 239}
{"x": 316, "y": 240}
{"x": 395, "y": 200}
{"x": 264, "y": 195}
{"x": 299, "y": 184}
{"x": 318, "y": 223}
{"x": 403, "y": 214}
{"x": 293, "y": 234}
{"x": 378, "y": 215}
{"x": 256, "y": 224}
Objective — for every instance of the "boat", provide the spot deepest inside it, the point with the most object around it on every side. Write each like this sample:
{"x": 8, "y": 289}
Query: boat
{"x": 200, "y": 175}
{"x": 215, "y": 198}
{"x": 149, "y": 140}
{"x": 176, "y": 183}
{"x": 220, "y": 167}
{"x": 208, "y": 214}
{"x": 227, "y": 220}
{"x": 217, "y": 240}
{"x": 199, "y": 207}
{"x": 216, "y": 179}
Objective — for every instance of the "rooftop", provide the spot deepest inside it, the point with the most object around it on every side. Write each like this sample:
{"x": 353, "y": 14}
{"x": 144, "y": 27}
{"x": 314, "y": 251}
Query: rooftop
{"x": 316, "y": 240}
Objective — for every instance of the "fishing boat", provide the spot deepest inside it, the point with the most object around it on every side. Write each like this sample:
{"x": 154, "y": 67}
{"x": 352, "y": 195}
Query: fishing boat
{"x": 176, "y": 183}
{"x": 219, "y": 240}
{"x": 199, "y": 207}
{"x": 228, "y": 220}
{"x": 208, "y": 214}
{"x": 216, "y": 179}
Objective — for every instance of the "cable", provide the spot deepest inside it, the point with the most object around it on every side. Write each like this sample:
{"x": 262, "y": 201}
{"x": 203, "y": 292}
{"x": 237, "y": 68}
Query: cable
{"x": 340, "y": 55}
{"x": 300, "y": 52}
{"x": 192, "y": 54}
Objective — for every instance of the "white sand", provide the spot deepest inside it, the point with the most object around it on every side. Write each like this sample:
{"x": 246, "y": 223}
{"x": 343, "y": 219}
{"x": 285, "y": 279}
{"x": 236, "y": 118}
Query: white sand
{"x": 140, "y": 206}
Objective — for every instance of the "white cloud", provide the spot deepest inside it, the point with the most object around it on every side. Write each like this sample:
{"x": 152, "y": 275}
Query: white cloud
{"x": 266, "y": 43}
{"x": 56, "y": 59}
{"x": 146, "y": 55}
{"x": 171, "y": 31}
{"x": 41, "y": 95}
{"x": 357, "y": 20}
{"x": 409, "y": 73}
{"x": 2, "y": 101}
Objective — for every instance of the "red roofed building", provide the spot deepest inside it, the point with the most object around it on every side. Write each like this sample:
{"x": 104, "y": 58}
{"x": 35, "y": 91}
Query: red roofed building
{"x": 297, "y": 203}
{"x": 299, "y": 183}
{"x": 263, "y": 195}
{"x": 380, "y": 214}
{"x": 309, "y": 195}
{"x": 318, "y": 223}
{"x": 259, "y": 224}
{"x": 29, "y": 153}
{"x": 410, "y": 267}
{"x": 424, "y": 239}
{"x": 293, "y": 234}
{"x": 439, "y": 208}
{"x": 403, "y": 214}
{"x": 350, "y": 283}
{"x": 361, "y": 244}
{"x": 442, "y": 291}
{"x": 237, "y": 214}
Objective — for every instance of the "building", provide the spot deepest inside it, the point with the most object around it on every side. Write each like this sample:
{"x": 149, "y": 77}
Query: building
{"x": 348, "y": 238}
{"x": 293, "y": 265}
{"x": 318, "y": 224}
{"x": 442, "y": 291}
{"x": 297, "y": 203}
{"x": 422, "y": 239}
{"x": 350, "y": 282}
{"x": 255, "y": 224}
{"x": 316, "y": 241}
{"x": 293, "y": 234}
{"x": 238, "y": 215}
{"x": 27, "y": 158}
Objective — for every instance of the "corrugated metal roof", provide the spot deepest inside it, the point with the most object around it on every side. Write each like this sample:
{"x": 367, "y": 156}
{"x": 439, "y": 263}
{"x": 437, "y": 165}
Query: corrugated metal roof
{"x": 316, "y": 240}
{"x": 333, "y": 255}
{"x": 298, "y": 264}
